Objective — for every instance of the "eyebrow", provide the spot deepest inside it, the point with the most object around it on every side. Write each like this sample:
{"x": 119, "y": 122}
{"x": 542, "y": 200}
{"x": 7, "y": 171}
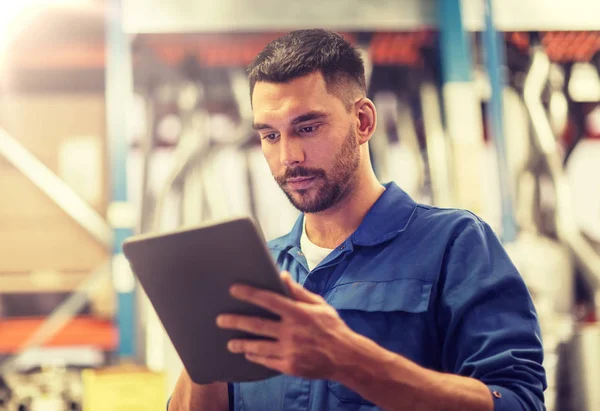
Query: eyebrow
{"x": 311, "y": 115}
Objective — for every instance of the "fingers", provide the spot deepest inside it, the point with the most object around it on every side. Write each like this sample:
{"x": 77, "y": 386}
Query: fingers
{"x": 273, "y": 302}
{"x": 268, "y": 300}
{"x": 254, "y": 325}
{"x": 253, "y": 347}
{"x": 298, "y": 292}
{"x": 273, "y": 363}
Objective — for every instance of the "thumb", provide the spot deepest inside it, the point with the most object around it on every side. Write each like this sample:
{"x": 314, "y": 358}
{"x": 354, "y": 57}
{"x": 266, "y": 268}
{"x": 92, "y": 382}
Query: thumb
{"x": 297, "y": 292}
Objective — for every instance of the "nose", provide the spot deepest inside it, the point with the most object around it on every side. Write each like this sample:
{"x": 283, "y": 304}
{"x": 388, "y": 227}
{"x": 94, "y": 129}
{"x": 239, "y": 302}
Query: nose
{"x": 291, "y": 151}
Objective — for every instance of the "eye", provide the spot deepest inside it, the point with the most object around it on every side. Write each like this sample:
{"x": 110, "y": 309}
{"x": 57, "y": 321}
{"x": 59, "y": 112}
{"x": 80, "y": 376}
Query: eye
{"x": 308, "y": 129}
{"x": 271, "y": 137}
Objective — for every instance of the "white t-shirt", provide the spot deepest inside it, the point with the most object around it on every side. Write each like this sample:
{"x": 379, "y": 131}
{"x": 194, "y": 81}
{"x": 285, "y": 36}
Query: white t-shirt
{"x": 313, "y": 253}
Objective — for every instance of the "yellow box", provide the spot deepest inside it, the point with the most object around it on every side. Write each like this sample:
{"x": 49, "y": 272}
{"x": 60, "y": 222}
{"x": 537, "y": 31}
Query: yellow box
{"x": 124, "y": 389}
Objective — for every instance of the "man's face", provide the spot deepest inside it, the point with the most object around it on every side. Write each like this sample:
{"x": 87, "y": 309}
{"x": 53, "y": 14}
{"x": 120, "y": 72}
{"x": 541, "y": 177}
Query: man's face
{"x": 309, "y": 140}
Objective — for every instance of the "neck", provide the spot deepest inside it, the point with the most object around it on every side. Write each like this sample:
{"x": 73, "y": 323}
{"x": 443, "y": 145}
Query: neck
{"x": 331, "y": 227}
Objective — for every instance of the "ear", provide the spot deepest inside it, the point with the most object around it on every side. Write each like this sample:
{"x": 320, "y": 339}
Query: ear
{"x": 366, "y": 117}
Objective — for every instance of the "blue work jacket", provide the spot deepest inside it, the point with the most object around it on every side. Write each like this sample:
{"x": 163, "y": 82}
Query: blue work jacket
{"x": 433, "y": 285}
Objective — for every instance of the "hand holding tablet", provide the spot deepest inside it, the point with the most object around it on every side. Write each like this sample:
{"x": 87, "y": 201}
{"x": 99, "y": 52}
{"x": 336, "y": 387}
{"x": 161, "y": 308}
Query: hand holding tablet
{"x": 187, "y": 275}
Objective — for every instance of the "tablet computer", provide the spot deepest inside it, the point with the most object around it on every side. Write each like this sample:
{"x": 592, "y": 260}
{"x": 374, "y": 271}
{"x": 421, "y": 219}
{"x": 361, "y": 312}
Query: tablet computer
{"x": 186, "y": 275}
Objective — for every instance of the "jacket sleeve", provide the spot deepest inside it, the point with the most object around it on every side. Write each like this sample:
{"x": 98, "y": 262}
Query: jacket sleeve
{"x": 229, "y": 394}
{"x": 488, "y": 322}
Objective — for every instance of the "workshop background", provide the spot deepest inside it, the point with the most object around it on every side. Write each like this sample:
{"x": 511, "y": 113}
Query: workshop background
{"x": 120, "y": 117}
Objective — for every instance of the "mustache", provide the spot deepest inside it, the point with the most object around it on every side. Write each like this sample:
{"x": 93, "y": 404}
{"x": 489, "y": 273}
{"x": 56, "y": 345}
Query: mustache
{"x": 299, "y": 172}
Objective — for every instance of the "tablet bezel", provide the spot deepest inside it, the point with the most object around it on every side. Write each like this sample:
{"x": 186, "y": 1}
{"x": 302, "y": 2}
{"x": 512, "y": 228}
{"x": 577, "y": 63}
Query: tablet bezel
{"x": 168, "y": 268}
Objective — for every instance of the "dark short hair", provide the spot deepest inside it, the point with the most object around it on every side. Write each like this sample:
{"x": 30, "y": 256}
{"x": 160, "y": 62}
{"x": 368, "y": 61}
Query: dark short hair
{"x": 303, "y": 52}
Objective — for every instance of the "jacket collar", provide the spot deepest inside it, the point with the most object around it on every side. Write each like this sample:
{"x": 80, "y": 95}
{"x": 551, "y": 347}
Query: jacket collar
{"x": 389, "y": 216}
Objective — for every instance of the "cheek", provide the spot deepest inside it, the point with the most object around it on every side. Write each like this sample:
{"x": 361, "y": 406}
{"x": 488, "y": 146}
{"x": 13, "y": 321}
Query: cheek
{"x": 321, "y": 154}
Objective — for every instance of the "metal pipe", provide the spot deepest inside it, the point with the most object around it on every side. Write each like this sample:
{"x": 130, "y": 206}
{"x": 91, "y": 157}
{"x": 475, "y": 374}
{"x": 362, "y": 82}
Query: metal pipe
{"x": 437, "y": 150}
{"x": 462, "y": 108}
{"x": 193, "y": 142}
{"x": 566, "y": 226}
{"x": 406, "y": 127}
{"x": 379, "y": 145}
{"x": 494, "y": 61}
{"x": 119, "y": 90}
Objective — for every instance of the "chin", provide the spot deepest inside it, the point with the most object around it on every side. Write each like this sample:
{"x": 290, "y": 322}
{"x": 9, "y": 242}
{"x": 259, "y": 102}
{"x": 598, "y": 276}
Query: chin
{"x": 301, "y": 201}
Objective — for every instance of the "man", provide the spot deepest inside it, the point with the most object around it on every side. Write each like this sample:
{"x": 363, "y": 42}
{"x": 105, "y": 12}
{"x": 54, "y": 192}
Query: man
{"x": 396, "y": 305}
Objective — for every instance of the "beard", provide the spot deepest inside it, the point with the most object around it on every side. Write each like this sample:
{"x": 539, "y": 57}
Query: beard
{"x": 329, "y": 188}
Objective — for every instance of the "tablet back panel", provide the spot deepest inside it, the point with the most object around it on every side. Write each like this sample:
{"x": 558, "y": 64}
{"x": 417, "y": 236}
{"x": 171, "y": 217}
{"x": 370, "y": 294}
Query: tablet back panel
{"x": 187, "y": 275}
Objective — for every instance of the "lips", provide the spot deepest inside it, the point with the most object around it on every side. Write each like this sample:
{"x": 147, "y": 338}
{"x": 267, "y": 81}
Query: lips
{"x": 300, "y": 183}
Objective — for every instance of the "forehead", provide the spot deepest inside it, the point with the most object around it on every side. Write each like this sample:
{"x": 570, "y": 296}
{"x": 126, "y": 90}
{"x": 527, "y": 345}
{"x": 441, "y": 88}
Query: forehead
{"x": 277, "y": 101}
